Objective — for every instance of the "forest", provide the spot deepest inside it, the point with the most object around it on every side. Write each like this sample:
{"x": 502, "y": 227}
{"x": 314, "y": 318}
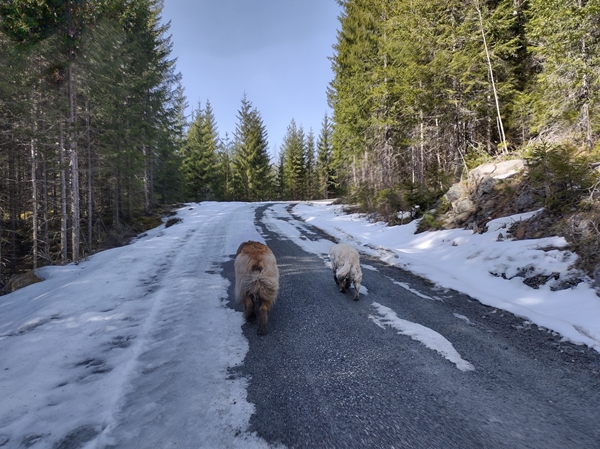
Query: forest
{"x": 95, "y": 143}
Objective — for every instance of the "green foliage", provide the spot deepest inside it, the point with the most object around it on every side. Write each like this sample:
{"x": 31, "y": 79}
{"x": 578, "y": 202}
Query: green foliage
{"x": 429, "y": 222}
{"x": 476, "y": 157}
{"x": 388, "y": 202}
{"x": 295, "y": 163}
{"x": 200, "y": 156}
{"x": 324, "y": 168}
{"x": 143, "y": 223}
{"x": 561, "y": 174}
{"x": 412, "y": 91}
{"x": 565, "y": 41}
{"x": 252, "y": 175}
{"x": 91, "y": 82}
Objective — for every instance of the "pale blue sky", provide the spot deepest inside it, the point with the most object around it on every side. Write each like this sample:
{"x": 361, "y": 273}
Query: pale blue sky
{"x": 275, "y": 51}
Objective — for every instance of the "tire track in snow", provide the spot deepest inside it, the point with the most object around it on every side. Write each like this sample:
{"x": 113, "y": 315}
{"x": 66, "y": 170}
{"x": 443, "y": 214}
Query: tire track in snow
{"x": 175, "y": 356}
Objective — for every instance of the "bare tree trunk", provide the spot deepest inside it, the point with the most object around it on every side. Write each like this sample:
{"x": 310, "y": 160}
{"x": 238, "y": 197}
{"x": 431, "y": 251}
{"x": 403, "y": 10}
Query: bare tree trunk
{"x": 45, "y": 228}
{"x": 63, "y": 195}
{"x": 34, "y": 192}
{"x": 412, "y": 164}
{"x": 421, "y": 146}
{"x": 12, "y": 195}
{"x": 74, "y": 161}
{"x": 129, "y": 199}
{"x": 90, "y": 174}
{"x": 117, "y": 224}
{"x": 503, "y": 144}
{"x": 34, "y": 197}
{"x": 146, "y": 181}
{"x": 586, "y": 92}
{"x": 75, "y": 212}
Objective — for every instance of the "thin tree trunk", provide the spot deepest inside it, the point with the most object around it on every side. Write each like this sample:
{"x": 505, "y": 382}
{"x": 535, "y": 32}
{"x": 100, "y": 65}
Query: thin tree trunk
{"x": 129, "y": 199}
{"x": 586, "y": 92}
{"x": 12, "y": 176}
{"x": 117, "y": 224}
{"x": 63, "y": 195}
{"x": 34, "y": 190}
{"x": 45, "y": 229}
{"x": 146, "y": 181}
{"x": 491, "y": 72}
{"x": 421, "y": 145}
{"x": 74, "y": 161}
{"x": 90, "y": 174}
{"x": 34, "y": 195}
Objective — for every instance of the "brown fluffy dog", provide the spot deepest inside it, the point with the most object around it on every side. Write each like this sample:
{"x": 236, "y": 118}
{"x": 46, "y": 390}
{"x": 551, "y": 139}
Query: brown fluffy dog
{"x": 256, "y": 281}
{"x": 346, "y": 267}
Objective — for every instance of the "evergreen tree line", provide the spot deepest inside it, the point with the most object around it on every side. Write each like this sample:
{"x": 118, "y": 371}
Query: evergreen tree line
{"x": 423, "y": 88}
{"x": 93, "y": 132}
{"x": 240, "y": 168}
{"x": 91, "y": 123}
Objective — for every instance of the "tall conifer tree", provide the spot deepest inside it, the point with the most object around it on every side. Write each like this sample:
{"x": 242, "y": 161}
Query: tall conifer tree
{"x": 295, "y": 169}
{"x": 251, "y": 165}
{"x": 324, "y": 169}
{"x": 200, "y": 159}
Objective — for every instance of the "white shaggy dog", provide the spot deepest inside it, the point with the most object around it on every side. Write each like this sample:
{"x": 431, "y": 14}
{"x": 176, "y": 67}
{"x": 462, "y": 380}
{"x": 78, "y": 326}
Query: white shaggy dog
{"x": 256, "y": 281}
{"x": 346, "y": 267}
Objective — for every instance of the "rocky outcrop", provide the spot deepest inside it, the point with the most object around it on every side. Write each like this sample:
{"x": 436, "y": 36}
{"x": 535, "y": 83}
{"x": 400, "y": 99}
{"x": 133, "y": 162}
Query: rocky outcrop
{"x": 21, "y": 280}
{"x": 475, "y": 201}
{"x": 497, "y": 170}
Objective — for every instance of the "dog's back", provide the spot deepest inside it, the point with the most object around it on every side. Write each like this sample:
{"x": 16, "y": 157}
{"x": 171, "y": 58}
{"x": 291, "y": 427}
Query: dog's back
{"x": 345, "y": 263}
{"x": 256, "y": 280}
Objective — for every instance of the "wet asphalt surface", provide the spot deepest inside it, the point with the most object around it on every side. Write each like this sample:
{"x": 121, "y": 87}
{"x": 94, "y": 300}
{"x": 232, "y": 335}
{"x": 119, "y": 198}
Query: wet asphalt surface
{"x": 327, "y": 376}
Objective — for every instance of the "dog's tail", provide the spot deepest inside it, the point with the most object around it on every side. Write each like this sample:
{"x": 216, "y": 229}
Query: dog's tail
{"x": 259, "y": 286}
{"x": 344, "y": 270}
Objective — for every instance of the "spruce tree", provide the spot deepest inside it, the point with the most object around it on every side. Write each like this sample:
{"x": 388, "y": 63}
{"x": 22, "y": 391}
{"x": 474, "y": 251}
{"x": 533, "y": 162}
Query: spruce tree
{"x": 566, "y": 43}
{"x": 324, "y": 169}
{"x": 200, "y": 156}
{"x": 251, "y": 166}
{"x": 311, "y": 169}
{"x": 90, "y": 109}
{"x": 295, "y": 168}
{"x": 224, "y": 175}
{"x": 281, "y": 184}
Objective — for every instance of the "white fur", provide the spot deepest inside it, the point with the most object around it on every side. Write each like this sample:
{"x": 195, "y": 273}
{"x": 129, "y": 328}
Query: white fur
{"x": 345, "y": 263}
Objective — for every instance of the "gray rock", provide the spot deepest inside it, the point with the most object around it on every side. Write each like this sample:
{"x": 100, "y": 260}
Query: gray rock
{"x": 463, "y": 206}
{"x": 597, "y": 278}
{"x": 486, "y": 185}
{"x": 525, "y": 201}
{"x": 456, "y": 192}
{"x": 499, "y": 170}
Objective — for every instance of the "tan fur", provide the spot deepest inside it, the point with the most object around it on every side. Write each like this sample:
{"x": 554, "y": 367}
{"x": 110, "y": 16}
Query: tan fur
{"x": 256, "y": 281}
{"x": 345, "y": 263}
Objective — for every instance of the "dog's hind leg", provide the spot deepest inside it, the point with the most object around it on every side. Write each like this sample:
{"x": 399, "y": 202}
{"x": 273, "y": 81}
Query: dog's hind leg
{"x": 338, "y": 283}
{"x": 249, "y": 312}
{"x": 356, "y": 290}
{"x": 263, "y": 317}
{"x": 347, "y": 283}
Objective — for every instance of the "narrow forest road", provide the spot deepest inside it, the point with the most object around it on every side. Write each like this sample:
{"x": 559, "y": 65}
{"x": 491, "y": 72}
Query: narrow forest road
{"x": 335, "y": 373}
{"x": 144, "y": 347}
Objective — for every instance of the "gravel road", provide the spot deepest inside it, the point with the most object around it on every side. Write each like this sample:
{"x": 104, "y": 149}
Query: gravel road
{"x": 330, "y": 374}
